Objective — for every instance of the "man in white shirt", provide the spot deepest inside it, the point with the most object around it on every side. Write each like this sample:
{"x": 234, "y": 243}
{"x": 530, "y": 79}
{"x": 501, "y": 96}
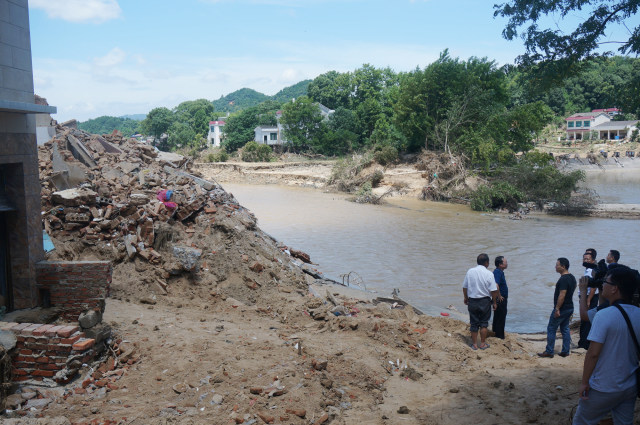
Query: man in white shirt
{"x": 480, "y": 293}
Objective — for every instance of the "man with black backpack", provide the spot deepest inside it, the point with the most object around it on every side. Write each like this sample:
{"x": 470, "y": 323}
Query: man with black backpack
{"x": 609, "y": 377}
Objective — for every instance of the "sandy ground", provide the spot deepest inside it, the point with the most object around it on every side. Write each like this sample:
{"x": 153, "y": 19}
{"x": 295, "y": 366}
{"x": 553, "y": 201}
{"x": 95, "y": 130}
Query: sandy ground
{"x": 220, "y": 361}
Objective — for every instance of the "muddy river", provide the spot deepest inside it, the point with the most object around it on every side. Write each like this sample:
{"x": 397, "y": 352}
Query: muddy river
{"x": 424, "y": 248}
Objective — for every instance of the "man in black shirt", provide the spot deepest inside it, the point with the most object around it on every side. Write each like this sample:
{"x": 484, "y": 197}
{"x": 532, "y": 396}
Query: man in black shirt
{"x": 563, "y": 309}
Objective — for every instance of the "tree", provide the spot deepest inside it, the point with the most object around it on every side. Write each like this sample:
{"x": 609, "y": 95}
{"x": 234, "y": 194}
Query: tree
{"x": 450, "y": 95}
{"x": 157, "y": 122}
{"x": 181, "y": 135}
{"x": 196, "y": 114}
{"x": 332, "y": 89}
{"x": 560, "y": 51}
{"x": 239, "y": 128}
{"x": 302, "y": 123}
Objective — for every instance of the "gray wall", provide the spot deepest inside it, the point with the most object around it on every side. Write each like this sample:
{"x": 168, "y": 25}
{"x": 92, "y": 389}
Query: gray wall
{"x": 18, "y": 152}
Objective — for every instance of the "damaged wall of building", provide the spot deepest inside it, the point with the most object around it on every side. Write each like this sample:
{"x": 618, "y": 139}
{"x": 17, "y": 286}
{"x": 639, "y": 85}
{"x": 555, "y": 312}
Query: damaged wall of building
{"x": 20, "y": 224}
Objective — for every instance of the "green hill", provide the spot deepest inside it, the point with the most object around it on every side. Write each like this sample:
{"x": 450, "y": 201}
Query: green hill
{"x": 238, "y": 100}
{"x": 292, "y": 92}
{"x": 246, "y": 98}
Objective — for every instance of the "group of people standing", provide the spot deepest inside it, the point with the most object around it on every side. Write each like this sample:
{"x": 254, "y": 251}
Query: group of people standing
{"x": 609, "y": 330}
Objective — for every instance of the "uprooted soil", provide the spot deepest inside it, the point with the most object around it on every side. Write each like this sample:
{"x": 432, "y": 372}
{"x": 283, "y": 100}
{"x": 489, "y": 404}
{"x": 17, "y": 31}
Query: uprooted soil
{"x": 246, "y": 337}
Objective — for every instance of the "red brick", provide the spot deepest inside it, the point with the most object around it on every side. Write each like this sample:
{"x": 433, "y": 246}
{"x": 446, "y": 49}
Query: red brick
{"x": 72, "y": 340}
{"x": 29, "y": 329}
{"x": 67, "y": 331}
{"x": 42, "y": 330}
{"x": 53, "y": 331}
{"x": 42, "y": 359}
{"x": 51, "y": 366}
{"x": 84, "y": 344}
{"x": 20, "y": 372}
{"x": 6, "y": 326}
{"x": 20, "y": 327}
{"x": 47, "y": 373}
{"x": 25, "y": 352}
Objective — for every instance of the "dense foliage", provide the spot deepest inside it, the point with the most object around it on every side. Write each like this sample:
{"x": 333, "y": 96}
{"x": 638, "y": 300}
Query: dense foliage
{"x": 186, "y": 125}
{"x": 533, "y": 178}
{"x": 254, "y": 152}
{"x": 548, "y": 45}
{"x": 106, "y": 124}
{"x": 600, "y": 83}
{"x": 239, "y": 128}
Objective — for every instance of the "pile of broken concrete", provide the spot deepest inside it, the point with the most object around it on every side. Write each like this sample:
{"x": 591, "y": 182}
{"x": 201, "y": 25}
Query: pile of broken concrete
{"x": 114, "y": 188}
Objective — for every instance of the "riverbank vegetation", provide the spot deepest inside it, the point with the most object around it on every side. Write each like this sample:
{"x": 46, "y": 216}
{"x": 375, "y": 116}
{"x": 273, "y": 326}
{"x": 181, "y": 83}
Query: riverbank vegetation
{"x": 484, "y": 118}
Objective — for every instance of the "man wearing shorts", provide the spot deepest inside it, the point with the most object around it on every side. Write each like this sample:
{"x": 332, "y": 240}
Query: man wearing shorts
{"x": 480, "y": 293}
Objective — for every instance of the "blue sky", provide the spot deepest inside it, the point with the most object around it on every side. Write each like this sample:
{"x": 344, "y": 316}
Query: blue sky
{"x": 117, "y": 57}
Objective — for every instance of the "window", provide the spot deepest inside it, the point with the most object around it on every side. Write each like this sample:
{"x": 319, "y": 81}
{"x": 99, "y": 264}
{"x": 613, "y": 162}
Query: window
{"x": 570, "y": 124}
{"x": 587, "y": 123}
{"x": 578, "y": 123}
{"x": 273, "y": 136}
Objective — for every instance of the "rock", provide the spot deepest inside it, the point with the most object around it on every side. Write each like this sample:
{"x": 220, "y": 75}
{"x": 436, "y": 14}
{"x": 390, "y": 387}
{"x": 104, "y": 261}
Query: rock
{"x": 89, "y": 319}
{"x": 319, "y": 364}
{"x": 403, "y": 410}
{"x": 14, "y": 401}
{"x": 298, "y": 412}
{"x": 257, "y": 267}
{"x": 7, "y": 340}
{"x": 322, "y": 419}
{"x": 38, "y": 403}
{"x": 180, "y": 388}
{"x": 267, "y": 418}
{"x": 411, "y": 374}
{"x": 300, "y": 255}
{"x": 217, "y": 399}
{"x": 147, "y": 300}
{"x": 138, "y": 199}
{"x": 74, "y": 197}
{"x": 187, "y": 257}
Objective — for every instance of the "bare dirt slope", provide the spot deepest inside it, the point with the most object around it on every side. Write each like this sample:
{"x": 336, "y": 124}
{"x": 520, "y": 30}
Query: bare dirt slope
{"x": 220, "y": 361}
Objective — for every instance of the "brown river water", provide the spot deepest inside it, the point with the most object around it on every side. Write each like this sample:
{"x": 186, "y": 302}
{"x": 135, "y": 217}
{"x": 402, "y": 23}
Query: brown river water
{"x": 424, "y": 248}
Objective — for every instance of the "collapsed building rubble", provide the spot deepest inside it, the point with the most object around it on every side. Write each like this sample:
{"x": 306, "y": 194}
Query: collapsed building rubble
{"x": 114, "y": 198}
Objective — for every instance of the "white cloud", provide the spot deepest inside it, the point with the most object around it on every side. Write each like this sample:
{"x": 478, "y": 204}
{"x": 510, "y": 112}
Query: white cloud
{"x": 79, "y": 10}
{"x": 115, "y": 57}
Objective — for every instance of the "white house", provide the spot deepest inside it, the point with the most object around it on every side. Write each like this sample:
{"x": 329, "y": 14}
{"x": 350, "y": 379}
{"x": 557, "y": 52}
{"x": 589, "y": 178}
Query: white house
{"x": 273, "y": 134}
{"x": 598, "y": 123}
{"x": 215, "y": 133}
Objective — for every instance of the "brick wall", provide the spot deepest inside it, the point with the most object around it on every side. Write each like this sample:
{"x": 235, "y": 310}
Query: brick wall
{"x": 74, "y": 286}
{"x": 48, "y": 351}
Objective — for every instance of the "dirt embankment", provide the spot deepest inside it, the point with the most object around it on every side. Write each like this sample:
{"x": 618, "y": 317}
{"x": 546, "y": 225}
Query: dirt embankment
{"x": 428, "y": 175}
{"x": 243, "y": 336}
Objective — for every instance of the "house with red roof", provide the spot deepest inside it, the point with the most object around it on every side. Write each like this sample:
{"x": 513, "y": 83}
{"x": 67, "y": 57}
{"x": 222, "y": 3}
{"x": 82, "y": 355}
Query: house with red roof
{"x": 598, "y": 124}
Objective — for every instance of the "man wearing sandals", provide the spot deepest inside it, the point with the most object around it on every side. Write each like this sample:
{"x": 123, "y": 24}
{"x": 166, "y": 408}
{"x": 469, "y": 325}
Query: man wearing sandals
{"x": 563, "y": 309}
{"x": 609, "y": 373}
{"x": 480, "y": 293}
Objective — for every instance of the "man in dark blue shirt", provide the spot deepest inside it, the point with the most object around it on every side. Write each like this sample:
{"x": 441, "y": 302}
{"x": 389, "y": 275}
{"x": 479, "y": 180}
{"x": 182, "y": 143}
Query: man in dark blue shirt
{"x": 500, "y": 315}
{"x": 612, "y": 258}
